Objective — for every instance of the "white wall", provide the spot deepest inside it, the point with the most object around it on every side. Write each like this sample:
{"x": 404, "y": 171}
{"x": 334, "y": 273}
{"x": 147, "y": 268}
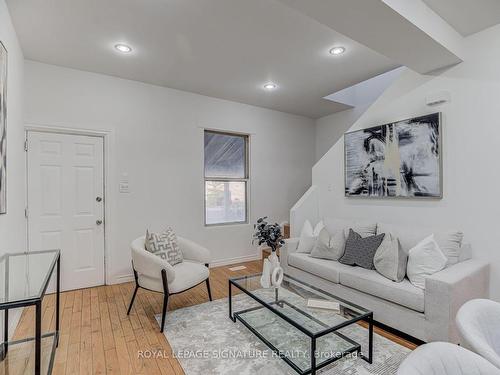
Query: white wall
{"x": 471, "y": 152}
{"x": 330, "y": 129}
{"x": 12, "y": 224}
{"x": 157, "y": 138}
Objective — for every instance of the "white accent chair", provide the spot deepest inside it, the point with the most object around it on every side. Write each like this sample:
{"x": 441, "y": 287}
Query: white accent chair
{"x": 478, "y": 322}
{"x": 443, "y": 358}
{"x": 156, "y": 274}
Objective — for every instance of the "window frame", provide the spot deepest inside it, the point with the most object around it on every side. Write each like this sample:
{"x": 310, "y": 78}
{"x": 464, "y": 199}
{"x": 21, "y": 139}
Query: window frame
{"x": 245, "y": 179}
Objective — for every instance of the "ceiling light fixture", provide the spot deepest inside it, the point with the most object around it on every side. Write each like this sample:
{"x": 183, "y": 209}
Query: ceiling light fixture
{"x": 337, "y": 51}
{"x": 270, "y": 86}
{"x": 123, "y": 48}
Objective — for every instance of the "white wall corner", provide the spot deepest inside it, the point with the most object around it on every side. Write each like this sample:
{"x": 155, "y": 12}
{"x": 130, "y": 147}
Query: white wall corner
{"x": 306, "y": 208}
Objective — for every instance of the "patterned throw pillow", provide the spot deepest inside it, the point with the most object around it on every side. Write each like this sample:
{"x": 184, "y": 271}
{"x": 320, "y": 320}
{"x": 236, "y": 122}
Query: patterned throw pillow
{"x": 164, "y": 245}
{"x": 360, "y": 251}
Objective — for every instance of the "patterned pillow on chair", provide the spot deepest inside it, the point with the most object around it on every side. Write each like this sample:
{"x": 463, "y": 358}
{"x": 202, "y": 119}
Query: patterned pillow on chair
{"x": 164, "y": 245}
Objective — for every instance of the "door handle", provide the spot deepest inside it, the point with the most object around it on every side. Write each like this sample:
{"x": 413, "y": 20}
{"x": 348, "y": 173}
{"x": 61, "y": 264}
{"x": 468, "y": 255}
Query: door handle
{"x": 98, "y": 222}
{"x": 98, "y": 199}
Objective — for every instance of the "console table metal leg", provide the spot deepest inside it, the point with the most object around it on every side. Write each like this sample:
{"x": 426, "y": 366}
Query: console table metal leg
{"x": 58, "y": 292}
{"x": 5, "y": 333}
{"x": 313, "y": 356}
{"x": 231, "y": 303}
{"x": 38, "y": 337}
{"x": 370, "y": 340}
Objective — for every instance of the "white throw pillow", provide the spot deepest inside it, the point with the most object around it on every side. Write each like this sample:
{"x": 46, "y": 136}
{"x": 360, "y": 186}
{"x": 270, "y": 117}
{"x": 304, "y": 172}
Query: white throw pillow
{"x": 318, "y": 228}
{"x": 425, "y": 259}
{"x": 449, "y": 241}
{"x": 307, "y": 238}
{"x": 329, "y": 246}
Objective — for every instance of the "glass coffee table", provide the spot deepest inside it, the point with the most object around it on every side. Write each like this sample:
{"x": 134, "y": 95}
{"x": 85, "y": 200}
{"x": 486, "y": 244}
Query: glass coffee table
{"x": 306, "y": 338}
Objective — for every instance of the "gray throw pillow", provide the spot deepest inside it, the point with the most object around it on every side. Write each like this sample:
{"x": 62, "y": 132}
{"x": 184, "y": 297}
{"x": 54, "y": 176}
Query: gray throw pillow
{"x": 329, "y": 247}
{"x": 360, "y": 251}
{"x": 164, "y": 245}
{"x": 390, "y": 259}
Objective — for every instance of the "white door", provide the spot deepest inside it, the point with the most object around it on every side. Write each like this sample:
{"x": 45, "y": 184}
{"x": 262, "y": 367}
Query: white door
{"x": 66, "y": 204}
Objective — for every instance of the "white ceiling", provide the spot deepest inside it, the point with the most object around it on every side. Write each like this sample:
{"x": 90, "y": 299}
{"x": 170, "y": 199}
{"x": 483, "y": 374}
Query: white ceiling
{"x": 221, "y": 48}
{"x": 467, "y": 16}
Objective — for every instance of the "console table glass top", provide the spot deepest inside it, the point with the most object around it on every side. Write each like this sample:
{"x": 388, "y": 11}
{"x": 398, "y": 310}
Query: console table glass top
{"x": 24, "y": 279}
{"x": 24, "y": 275}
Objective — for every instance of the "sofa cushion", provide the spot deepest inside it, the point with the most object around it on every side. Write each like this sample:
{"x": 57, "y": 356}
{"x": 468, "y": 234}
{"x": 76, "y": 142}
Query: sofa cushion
{"x": 329, "y": 246}
{"x": 373, "y": 283}
{"x": 390, "y": 259}
{"x": 364, "y": 228}
{"x": 308, "y": 236}
{"x": 326, "y": 269}
{"x": 187, "y": 274}
{"x": 450, "y": 241}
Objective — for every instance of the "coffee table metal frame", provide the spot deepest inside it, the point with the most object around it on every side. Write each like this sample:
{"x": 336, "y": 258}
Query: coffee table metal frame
{"x": 368, "y": 317}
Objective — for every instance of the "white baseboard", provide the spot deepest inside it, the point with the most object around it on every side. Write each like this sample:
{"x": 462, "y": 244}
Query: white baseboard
{"x": 120, "y": 279}
{"x": 228, "y": 261}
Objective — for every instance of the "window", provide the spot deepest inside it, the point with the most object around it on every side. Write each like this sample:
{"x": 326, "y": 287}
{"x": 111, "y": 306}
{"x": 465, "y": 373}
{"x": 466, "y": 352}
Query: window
{"x": 226, "y": 178}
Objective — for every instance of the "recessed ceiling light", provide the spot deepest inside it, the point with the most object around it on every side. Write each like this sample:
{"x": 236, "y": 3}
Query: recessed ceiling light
{"x": 123, "y": 48}
{"x": 270, "y": 86}
{"x": 337, "y": 50}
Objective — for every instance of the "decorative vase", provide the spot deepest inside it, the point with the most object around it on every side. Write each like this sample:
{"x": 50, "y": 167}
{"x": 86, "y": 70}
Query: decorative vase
{"x": 272, "y": 273}
{"x": 277, "y": 277}
{"x": 265, "y": 279}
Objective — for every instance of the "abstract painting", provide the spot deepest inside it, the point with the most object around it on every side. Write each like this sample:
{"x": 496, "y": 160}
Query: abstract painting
{"x": 3, "y": 124}
{"x": 397, "y": 160}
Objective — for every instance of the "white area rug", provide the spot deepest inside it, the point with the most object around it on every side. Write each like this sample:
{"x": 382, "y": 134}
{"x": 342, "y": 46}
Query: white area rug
{"x": 206, "y": 341}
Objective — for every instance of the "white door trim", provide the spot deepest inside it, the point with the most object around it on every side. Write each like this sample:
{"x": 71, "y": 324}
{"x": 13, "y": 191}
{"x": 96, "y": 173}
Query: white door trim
{"x": 106, "y": 136}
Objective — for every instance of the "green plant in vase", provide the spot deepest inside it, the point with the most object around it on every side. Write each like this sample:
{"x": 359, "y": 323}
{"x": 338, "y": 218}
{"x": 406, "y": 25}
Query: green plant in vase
{"x": 271, "y": 235}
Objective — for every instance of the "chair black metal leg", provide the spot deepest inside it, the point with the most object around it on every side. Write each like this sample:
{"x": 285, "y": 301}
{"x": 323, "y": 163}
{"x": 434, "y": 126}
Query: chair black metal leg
{"x": 165, "y": 298}
{"x": 136, "y": 277}
{"x": 164, "y": 312}
{"x": 132, "y": 300}
{"x": 207, "y": 281}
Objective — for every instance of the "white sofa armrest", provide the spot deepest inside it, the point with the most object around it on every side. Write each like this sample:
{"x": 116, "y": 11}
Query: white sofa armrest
{"x": 192, "y": 251}
{"x": 288, "y": 248}
{"x": 447, "y": 290}
{"x": 149, "y": 264}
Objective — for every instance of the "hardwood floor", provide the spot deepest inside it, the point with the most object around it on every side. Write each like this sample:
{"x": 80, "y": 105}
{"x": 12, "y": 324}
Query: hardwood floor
{"x": 97, "y": 336}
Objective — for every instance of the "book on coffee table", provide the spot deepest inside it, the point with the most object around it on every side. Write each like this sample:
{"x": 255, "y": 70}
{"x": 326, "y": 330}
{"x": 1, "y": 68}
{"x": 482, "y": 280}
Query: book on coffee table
{"x": 323, "y": 304}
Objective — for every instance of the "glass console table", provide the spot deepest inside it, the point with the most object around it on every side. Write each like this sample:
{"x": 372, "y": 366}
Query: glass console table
{"x": 24, "y": 278}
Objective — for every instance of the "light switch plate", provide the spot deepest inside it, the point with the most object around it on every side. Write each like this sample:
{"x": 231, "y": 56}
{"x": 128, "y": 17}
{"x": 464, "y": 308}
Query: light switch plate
{"x": 124, "y": 187}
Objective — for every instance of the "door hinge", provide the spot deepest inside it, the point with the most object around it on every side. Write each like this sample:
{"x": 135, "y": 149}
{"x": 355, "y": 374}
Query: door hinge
{"x": 25, "y": 145}
{"x": 26, "y": 212}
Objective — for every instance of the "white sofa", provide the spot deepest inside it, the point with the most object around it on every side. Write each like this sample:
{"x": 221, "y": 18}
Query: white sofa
{"x": 428, "y": 315}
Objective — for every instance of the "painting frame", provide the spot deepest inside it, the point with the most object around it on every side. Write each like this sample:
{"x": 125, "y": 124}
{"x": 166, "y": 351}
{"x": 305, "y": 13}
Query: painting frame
{"x": 437, "y": 196}
{"x": 3, "y": 127}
